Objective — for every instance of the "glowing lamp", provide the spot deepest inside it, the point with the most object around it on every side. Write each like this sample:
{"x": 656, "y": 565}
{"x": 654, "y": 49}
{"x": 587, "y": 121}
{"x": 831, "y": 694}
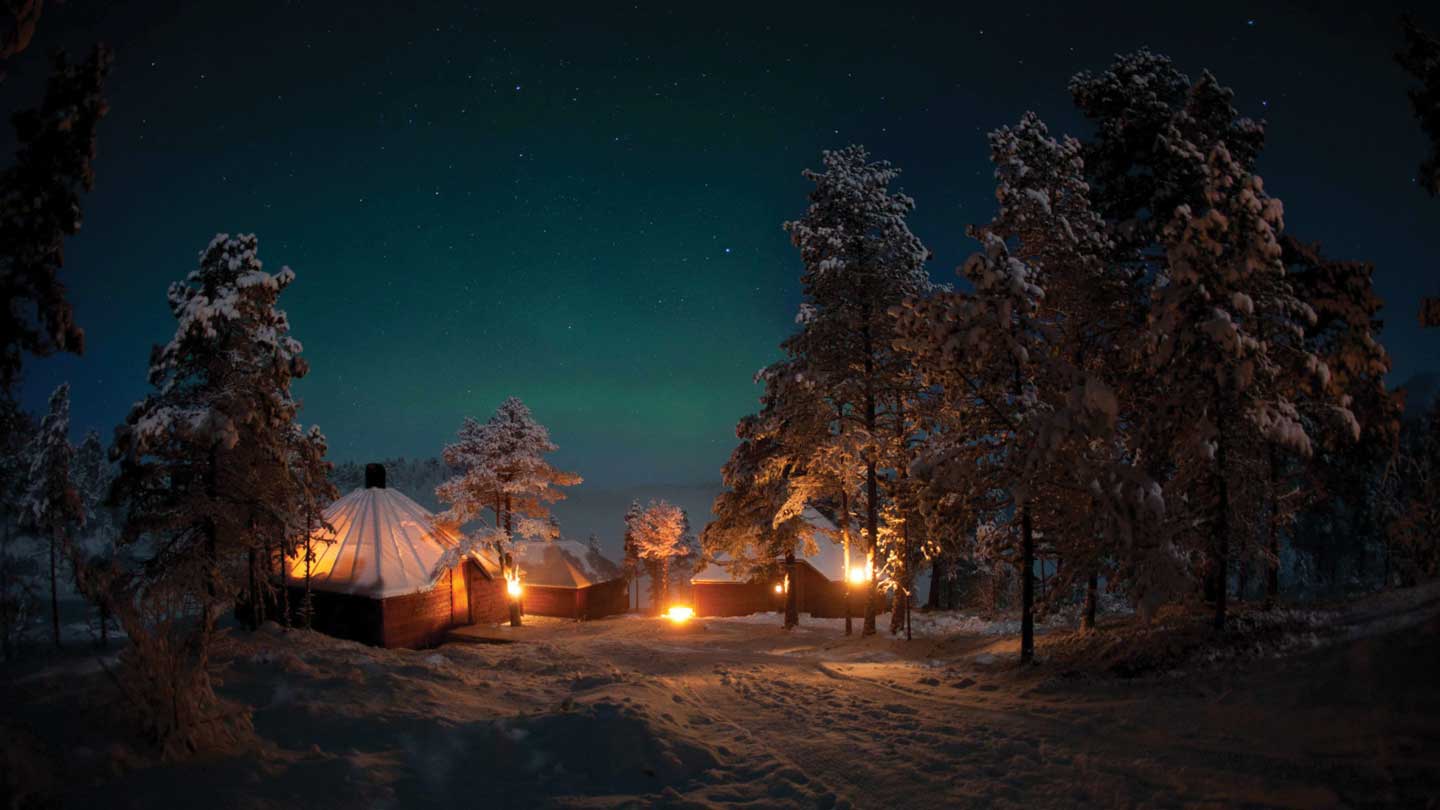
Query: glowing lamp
{"x": 779, "y": 588}
{"x": 679, "y": 614}
{"x": 512, "y": 587}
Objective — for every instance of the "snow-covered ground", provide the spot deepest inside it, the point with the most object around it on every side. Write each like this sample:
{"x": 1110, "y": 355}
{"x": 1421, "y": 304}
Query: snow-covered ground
{"x": 739, "y": 713}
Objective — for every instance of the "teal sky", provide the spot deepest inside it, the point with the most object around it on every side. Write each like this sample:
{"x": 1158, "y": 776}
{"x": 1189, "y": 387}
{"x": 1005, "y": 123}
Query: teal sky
{"x": 582, "y": 208}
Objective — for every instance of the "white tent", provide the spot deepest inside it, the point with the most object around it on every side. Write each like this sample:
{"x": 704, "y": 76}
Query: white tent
{"x": 829, "y": 558}
{"x": 380, "y": 544}
{"x": 562, "y": 564}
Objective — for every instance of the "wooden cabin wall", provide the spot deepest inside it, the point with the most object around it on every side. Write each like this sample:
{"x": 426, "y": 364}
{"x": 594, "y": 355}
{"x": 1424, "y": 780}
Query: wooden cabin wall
{"x": 820, "y": 597}
{"x": 486, "y": 597}
{"x": 545, "y": 600}
{"x": 603, "y": 599}
{"x": 417, "y": 620}
{"x": 736, "y": 598}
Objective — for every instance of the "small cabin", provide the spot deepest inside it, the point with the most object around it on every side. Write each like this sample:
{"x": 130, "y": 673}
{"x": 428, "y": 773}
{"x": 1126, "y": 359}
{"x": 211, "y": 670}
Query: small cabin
{"x": 569, "y": 580}
{"x": 718, "y": 590}
{"x": 383, "y": 575}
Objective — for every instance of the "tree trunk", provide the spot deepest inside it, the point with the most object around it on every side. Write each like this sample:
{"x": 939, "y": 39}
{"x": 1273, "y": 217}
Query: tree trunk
{"x": 254, "y": 591}
{"x": 932, "y": 598}
{"x": 1027, "y": 587}
{"x": 792, "y": 592}
{"x": 284, "y": 588}
{"x": 1220, "y": 559}
{"x": 1272, "y": 570}
{"x": 54, "y": 594}
{"x": 510, "y": 540}
{"x": 845, "y": 540}
{"x": 872, "y": 526}
{"x": 308, "y": 609}
{"x": 662, "y": 592}
{"x": 1087, "y": 616}
{"x": 872, "y": 508}
{"x": 5, "y": 592}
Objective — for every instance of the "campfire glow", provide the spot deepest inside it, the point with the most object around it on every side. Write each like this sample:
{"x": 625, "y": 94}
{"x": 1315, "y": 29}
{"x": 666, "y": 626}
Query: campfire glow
{"x": 858, "y": 576}
{"x": 512, "y": 587}
{"x": 679, "y": 614}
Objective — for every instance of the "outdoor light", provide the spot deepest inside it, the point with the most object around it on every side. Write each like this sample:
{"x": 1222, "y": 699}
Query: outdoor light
{"x": 779, "y": 588}
{"x": 512, "y": 587}
{"x": 857, "y": 576}
{"x": 679, "y": 614}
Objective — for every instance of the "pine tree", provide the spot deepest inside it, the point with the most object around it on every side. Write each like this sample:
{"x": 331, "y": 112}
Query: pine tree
{"x": 40, "y": 208}
{"x": 503, "y": 469}
{"x": 1028, "y": 367}
{"x": 860, "y": 259}
{"x": 313, "y": 491}
{"x": 205, "y": 481}
{"x": 661, "y": 536}
{"x": 1226, "y": 289}
{"x": 752, "y": 526}
{"x": 17, "y": 430}
{"x": 93, "y": 476}
{"x": 1421, "y": 59}
{"x": 632, "y": 558}
{"x": 53, "y": 506}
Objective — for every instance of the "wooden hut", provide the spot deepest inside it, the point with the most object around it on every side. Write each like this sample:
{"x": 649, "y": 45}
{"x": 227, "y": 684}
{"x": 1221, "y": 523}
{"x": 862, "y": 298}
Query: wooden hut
{"x": 384, "y": 572}
{"x": 720, "y": 590}
{"x": 567, "y": 579}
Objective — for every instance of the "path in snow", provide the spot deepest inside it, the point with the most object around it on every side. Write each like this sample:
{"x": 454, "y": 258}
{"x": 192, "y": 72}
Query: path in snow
{"x": 740, "y": 713}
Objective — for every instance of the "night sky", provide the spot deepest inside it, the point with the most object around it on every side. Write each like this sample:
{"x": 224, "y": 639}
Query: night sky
{"x": 584, "y": 208}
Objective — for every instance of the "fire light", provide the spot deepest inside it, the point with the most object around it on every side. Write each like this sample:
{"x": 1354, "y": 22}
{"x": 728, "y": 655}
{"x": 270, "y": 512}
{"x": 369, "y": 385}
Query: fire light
{"x": 779, "y": 588}
{"x": 512, "y": 587}
{"x": 857, "y": 576}
{"x": 679, "y": 614}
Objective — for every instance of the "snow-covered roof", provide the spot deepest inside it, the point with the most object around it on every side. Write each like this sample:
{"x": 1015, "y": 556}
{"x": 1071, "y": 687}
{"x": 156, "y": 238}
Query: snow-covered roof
{"x": 381, "y": 544}
{"x": 562, "y": 564}
{"x": 829, "y": 558}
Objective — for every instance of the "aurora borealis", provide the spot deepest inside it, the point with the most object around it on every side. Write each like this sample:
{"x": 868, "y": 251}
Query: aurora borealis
{"x": 582, "y": 207}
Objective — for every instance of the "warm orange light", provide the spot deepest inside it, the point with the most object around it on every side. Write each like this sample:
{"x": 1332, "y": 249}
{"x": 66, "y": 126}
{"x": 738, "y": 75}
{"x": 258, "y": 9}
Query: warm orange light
{"x": 779, "y": 588}
{"x": 858, "y": 576}
{"x": 680, "y": 614}
{"x": 512, "y": 587}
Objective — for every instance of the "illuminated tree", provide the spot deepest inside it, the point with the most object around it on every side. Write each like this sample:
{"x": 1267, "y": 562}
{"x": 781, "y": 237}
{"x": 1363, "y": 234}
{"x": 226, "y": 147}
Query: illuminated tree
{"x": 860, "y": 259}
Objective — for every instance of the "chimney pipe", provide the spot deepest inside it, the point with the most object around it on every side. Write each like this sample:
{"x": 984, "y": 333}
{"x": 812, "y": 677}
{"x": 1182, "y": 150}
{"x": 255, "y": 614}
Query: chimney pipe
{"x": 374, "y": 476}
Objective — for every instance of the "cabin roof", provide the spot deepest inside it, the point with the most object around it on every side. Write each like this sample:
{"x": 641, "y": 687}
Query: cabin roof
{"x": 380, "y": 544}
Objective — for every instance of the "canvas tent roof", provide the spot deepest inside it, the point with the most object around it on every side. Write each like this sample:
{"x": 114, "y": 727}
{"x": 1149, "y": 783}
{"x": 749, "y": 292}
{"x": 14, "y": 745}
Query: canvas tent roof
{"x": 829, "y": 558}
{"x": 380, "y": 544}
{"x": 562, "y": 564}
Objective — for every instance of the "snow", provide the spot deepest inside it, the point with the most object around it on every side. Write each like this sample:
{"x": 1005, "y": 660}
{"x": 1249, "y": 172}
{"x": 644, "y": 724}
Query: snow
{"x": 380, "y": 544}
{"x": 738, "y": 713}
{"x": 828, "y": 558}
{"x": 561, "y": 563}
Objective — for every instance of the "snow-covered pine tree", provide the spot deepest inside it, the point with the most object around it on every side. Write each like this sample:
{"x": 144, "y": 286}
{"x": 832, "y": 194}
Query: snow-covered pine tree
{"x": 313, "y": 490}
{"x": 1344, "y": 500}
{"x": 1421, "y": 59}
{"x": 503, "y": 468}
{"x": 860, "y": 258}
{"x": 631, "y": 558}
{"x": 1414, "y": 508}
{"x": 662, "y": 536}
{"x": 93, "y": 476}
{"x": 1154, "y": 129}
{"x": 40, "y": 208}
{"x": 53, "y": 506}
{"x": 1028, "y": 366}
{"x": 748, "y": 528}
{"x": 1223, "y": 294}
{"x": 205, "y": 480}
{"x": 17, "y": 430}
